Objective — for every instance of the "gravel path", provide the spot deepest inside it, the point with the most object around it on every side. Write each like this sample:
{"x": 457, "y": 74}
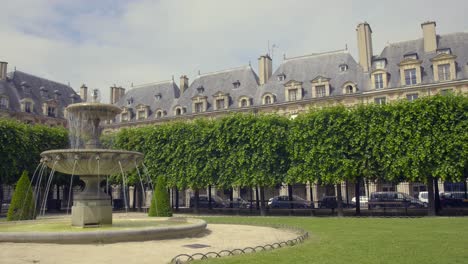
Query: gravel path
{"x": 217, "y": 237}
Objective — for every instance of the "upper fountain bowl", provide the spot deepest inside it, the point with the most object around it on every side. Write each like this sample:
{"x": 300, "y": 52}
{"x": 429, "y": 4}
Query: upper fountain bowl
{"x": 91, "y": 161}
{"x": 101, "y": 111}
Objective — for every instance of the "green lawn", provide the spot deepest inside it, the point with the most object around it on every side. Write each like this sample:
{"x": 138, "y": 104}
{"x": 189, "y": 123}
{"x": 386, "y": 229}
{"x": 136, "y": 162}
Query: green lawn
{"x": 363, "y": 240}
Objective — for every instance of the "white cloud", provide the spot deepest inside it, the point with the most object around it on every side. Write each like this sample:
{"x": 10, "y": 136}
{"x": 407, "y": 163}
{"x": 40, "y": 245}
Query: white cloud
{"x": 105, "y": 42}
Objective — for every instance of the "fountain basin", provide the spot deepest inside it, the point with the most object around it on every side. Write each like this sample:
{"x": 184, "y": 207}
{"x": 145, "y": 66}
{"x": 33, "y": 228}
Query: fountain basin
{"x": 92, "y": 161}
{"x": 176, "y": 228}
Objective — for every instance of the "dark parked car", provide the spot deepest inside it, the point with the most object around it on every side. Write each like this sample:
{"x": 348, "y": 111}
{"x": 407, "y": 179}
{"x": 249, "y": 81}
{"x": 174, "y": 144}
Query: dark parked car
{"x": 453, "y": 199}
{"x": 216, "y": 202}
{"x": 331, "y": 202}
{"x": 393, "y": 199}
{"x": 284, "y": 203}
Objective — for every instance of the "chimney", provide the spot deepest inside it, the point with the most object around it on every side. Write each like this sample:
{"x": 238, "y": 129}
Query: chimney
{"x": 429, "y": 35}
{"x": 3, "y": 70}
{"x": 264, "y": 68}
{"x": 111, "y": 97}
{"x": 183, "y": 83}
{"x": 115, "y": 94}
{"x": 84, "y": 93}
{"x": 119, "y": 93}
{"x": 364, "y": 38}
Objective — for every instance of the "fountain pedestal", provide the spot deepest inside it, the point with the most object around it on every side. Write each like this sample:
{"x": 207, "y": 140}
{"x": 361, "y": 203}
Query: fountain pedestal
{"x": 92, "y": 206}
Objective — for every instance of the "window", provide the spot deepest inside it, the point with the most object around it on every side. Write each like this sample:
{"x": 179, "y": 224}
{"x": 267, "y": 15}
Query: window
{"x": 380, "y": 100}
{"x": 380, "y": 64}
{"x": 410, "y": 76}
{"x": 28, "y": 107}
{"x": 236, "y": 84}
{"x": 125, "y": 117}
{"x": 413, "y": 56}
{"x": 378, "y": 80}
{"x": 3, "y": 103}
{"x": 200, "y": 89}
{"x": 268, "y": 99}
{"x": 130, "y": 101}
{"x": 281, "y": 77}
{"x": 158, "y": 96}
{"x": 444, "y": 72}
{"x": 198, "y": 107}
{"x": 292, "y": 94}
{"x": 444, "y": 51}
{"x": 51, "y": 111}
{"x": 244, "y": 103}
{"x": 412, "y": 97}
{"x": 320, "y": 91}
{"x": 178, "y": 112}
{"x": 445, "y": 91}
{"x": 219, "y": 104}
{"x": 159, "y": 114}
{"x": 141, "y": 114}
{"x": 349, "y": 89}
{"x": 343, "y": 67}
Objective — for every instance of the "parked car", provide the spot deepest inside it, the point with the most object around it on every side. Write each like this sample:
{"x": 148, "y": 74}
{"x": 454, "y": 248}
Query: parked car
{"x": 331, "y": 202}
{"x": 423, "y": 197}
{"x": 282, "y": 201}
{"x": 203, "y": 202}
{"x": 393, "y": 199}
{"x": 453, "y": 199}
{"x": 238, "y": 203}
{"x": 363, "y": 200}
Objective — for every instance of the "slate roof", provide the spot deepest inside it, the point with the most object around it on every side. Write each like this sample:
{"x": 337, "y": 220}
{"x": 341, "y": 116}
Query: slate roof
{"x": 20, "y": 85}
{"x": 146, "y": 94}
{"x": 394, "y": 53}
{"x": 306, "y": 68}
{"x": 222, "y": 81}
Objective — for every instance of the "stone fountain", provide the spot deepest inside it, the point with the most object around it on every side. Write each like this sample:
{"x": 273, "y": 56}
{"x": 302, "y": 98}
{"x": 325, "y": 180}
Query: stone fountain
{"x": 88, "y": 160}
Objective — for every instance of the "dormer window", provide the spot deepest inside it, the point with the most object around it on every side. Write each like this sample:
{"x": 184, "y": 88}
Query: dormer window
{"x": 200, "y": 89}
{"x": 343, "y": 67}
{"x": 130, "y": 101}
{"x": 125, "y": 117}
{"x": 281, "y": 77}
{"x": 380, "y": 64}
{"x": 236, "y": 84}
{"x": 410, "y": 76}
{"x": 413, "y": 56}
{"x": 349, "y": 88}
{"x": 268, "y": 99}
{"x": 158, "y": 96}
{"x": 379, "y": 82}
{"x": 443, "y": 71}
{"x": 28, "y": 107}
{"x": 244, "y": 101}
{"x": 444, "y": 51}
{"x": 179, "y": 110}
{"x": 159, "y": 113}
{"x": 50, "y": 111}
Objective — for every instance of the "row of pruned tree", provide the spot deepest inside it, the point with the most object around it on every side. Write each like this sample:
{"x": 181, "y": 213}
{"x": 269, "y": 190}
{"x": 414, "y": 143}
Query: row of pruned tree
{"x": 421, "y": 141}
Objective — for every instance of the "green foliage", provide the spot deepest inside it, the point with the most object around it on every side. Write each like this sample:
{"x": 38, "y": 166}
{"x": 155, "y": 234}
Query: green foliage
{"x": 22, "y": 202}
{"x": 21, "y": 144}
{"x": 403, "y": 141}
{"x": 160, "y": 205}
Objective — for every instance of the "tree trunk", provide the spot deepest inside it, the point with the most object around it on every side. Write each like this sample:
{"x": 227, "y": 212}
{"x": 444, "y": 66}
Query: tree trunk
{"x": 177, "y": 199}
{"x": 290, "y": 198}
{"x": 339, "y": 200}
{"x": 311, "y": 196}
{"x": 251, "y": 199}
{"x": 197, "y": 196}
{"x": 210, "y": 205}
{"x": 231, "y": 197}
{"x": 1, "y": 196}
{"x": 262, "y": 201}
{"x": 436, "y": 196}
{"x": 257, "y": 198}
{"x": 430, "y": 197}
{"x": 357, "y": 194}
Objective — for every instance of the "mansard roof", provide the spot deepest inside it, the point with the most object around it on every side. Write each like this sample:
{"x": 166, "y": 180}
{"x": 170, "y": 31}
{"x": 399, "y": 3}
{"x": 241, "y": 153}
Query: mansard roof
{"x": 147, "y": 94}
{"x": 395, "y": 52}
{"x": 306, "y": 68}
{"x": 221, "y": 82}
{"x": 17, "y": 80}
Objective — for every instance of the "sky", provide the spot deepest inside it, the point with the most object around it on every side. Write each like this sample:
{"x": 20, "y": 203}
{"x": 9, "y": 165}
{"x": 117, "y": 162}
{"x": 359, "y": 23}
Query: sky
{"x": 105, "y": 42}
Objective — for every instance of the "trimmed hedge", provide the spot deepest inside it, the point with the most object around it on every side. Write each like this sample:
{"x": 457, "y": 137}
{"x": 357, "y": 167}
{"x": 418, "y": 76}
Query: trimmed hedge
{"x": 160, "y": 205}
{"x": 22, "y": 202}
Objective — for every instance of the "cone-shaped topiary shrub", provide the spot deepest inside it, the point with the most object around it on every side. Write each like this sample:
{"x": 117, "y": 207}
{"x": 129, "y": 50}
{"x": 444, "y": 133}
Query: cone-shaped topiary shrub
{"x": 22, "y": 202}
{"x": 160, "y": 203}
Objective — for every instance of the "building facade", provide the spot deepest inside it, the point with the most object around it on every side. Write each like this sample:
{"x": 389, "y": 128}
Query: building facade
{"x": 34, "y": 100}
{"x": 404, "y": 70}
